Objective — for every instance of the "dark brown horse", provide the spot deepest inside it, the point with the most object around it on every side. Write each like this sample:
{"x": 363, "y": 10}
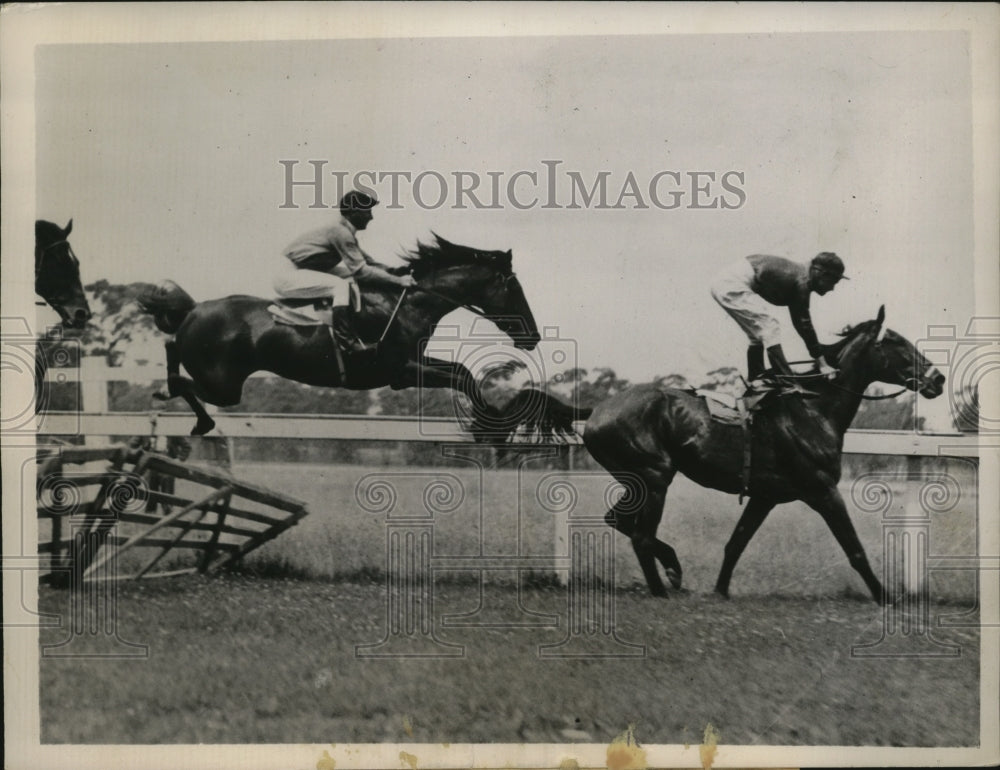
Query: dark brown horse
{"x": 646, "y": 434}
{"x": 57, "y": 274}
{"x": 222, "y": 342}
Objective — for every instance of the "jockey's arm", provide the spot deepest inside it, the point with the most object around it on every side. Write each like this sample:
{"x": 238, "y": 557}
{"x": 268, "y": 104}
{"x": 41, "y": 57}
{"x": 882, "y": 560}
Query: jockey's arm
{"x": 374, "y": 273}
{"x": 802, "y": 321}
{"x": 358, "y": 265}
{"x": 397, "y": 270}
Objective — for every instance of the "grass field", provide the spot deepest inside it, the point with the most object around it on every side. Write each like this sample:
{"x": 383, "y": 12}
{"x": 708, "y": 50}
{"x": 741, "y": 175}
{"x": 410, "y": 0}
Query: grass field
{"x": 252, "y": 658}
{"x": 235, "y": 659}
{"x": 505, "y": 513}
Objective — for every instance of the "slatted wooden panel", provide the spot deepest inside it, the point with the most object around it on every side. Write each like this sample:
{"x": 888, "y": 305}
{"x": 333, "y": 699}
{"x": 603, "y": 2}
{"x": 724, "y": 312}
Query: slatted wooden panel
{"x": 104, "y": 519}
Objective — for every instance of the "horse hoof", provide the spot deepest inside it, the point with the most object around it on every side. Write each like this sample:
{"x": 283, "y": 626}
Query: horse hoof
{"x": 161, "y": 396}
{"x": 203, "y": 427}
{"x": 722, "y": 594}
{"x": 675, "y": 579}
{"x": 885, "y": 598}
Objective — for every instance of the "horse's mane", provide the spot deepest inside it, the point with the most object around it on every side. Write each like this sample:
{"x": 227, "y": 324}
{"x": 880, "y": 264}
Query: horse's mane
{"x": 847, "y": 335}
{"x": 428, "y": 257}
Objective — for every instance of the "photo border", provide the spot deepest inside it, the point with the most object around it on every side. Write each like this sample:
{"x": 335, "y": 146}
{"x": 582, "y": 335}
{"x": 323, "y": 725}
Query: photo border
{"x": 26, "y": 26}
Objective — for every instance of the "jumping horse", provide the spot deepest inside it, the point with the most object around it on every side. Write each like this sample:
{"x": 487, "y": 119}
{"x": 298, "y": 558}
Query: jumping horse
{"x": 647, "y": 434}
{"x": 222, "y": 342}
{"x": 57, "y": 274}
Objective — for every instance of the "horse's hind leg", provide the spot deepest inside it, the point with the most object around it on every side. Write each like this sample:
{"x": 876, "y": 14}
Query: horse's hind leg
{"x": 637, "y": 515}
{"x": 179, "y": 385}
{"x": 753, "y": 516}
{"x": 649, "y": 548}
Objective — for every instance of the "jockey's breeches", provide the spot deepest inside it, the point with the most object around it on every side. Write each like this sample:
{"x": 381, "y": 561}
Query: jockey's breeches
{"x": 294, "y": 283}
{"x": 751, "y": 311}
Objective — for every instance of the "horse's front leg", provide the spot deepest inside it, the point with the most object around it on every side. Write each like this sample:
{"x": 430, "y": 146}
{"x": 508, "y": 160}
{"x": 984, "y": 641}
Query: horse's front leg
{"x": 753, "y": 516}
{"x": 431, "y": 372}
{"x": 179, "y": 385}
{"x": 831, "y": 507}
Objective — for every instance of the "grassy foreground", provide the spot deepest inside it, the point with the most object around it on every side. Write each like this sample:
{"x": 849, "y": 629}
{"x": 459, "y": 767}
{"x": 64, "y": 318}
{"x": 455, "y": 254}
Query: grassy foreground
{"x": 237, "y": 659}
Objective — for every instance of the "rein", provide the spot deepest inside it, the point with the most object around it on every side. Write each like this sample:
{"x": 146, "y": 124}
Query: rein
{"x": 876, "y": 398}
{"x": 452, "y": 300}
{"x": 45, "y": 249}
{"x": 882, "y": 397}
{"x": 471, "y": 308}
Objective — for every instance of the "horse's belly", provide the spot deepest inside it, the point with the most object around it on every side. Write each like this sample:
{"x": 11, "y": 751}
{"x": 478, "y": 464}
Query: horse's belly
{"x": 716, "y": 459}
{"x": 723, "y": 476}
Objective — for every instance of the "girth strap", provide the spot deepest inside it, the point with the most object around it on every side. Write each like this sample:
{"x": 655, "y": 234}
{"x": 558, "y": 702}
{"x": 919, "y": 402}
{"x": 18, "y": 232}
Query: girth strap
{"x": 339, "y": 355}
{"x": 746, "y": 421}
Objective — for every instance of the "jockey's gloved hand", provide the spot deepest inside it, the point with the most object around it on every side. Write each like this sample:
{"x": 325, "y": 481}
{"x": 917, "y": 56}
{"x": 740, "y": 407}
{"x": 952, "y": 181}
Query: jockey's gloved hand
{"x": 825, "y": 370}
{"x": 406, "y": 281}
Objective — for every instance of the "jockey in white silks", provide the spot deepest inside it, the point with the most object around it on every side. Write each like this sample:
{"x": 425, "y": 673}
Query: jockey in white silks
{"x": 326, "y": 265}
{"x": 746, "y": 290}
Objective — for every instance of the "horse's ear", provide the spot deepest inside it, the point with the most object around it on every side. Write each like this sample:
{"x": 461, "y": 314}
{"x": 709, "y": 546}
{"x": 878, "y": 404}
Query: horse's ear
{"x": 880, "y": 322}
{"x": 68, "y": 229}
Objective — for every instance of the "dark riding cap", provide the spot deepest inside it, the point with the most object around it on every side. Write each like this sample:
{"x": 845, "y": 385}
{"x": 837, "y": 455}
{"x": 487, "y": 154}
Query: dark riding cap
{"x": 357, "y": 201}
{"x": 830, "y": 263}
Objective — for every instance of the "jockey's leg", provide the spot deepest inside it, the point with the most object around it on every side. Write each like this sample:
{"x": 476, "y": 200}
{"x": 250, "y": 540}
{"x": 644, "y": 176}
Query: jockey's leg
{"x": 326, "y": 291}
{"x": 343, "y": 328}
{"x": 755, "y": 362}
{"x": 778, "y": 361}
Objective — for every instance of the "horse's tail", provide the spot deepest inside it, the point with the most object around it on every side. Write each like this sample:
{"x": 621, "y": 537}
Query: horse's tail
{"x": 167, "y": 302}
{"x": 536, "y": 416}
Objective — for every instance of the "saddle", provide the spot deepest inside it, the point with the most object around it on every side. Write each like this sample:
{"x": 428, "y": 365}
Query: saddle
{"x": 346, "y": 343}
{"x": 739, "y": 411}
{"x": 293, "y": 312}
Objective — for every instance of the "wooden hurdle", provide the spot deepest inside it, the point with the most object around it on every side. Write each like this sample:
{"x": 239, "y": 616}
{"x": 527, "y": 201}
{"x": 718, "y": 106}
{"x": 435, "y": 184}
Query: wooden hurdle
{"x": 113, "y": 510}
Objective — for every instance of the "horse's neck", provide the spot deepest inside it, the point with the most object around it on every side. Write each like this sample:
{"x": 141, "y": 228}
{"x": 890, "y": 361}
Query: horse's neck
{"x": 420, "y": 312}
{"x": 843, "y": 395}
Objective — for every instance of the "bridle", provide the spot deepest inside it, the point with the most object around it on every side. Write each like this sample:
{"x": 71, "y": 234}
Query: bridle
{"x": 504, "y": 278}
{"x": 46, "y": 249}
{"x": 501, "y": 278}
{"x": 915, "y": 380}
{"x": 41, "y": 261}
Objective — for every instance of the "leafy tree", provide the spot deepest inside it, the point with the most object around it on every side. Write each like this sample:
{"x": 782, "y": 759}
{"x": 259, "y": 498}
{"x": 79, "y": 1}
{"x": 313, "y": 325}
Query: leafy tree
{"x": 590, "y": 388}
{"x": 726, "y": 379}
{"x": 671, "y": 381}
{"x": 429, "y": 402}
{"x": 276, "y": 395}
{"x": 118, "y": 329}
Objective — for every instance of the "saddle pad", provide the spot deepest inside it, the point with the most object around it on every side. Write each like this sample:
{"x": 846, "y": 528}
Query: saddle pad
{"x": 721, "y": 406}
{"x": 291, "y": 317}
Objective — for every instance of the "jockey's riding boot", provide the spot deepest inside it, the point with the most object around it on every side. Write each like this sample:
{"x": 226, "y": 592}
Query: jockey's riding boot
{"x": 778, "y": 361}
{"x": 343, "y": 329}
{"x": 755, "y": 362}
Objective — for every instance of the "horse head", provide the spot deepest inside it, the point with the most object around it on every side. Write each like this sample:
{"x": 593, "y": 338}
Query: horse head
{"x": 57, "y": 274}
{"x": 482, "y": 280}
{"x": 889, "y": 357}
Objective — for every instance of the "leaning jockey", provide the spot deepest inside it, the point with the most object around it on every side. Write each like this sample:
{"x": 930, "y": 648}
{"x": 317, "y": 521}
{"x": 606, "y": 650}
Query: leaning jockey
{"x": 324, "y": 264}
{"x": 745, "y": 290}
